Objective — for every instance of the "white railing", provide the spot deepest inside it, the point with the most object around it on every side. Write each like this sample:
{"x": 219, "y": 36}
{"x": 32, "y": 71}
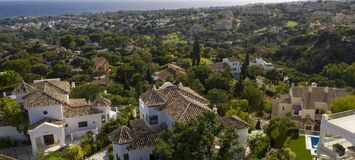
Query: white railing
{"x": 308, "y": 132}
{"x": 341, "y": 114}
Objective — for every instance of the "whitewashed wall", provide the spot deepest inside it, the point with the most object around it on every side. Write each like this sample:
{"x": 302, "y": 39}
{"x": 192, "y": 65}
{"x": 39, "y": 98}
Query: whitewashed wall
{"x": 11, "y": 132}
{"x": 242, "y": 137}
{"x": 35, "y": 114}
{"x": 141, "y": 154}
{"x": 92, "y": 121}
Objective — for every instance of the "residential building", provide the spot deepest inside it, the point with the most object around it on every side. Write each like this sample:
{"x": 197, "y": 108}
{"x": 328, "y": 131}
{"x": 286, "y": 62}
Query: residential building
{"x": 54, "y": 118}
{"x": 101, "y": 64}
{"x": 173, "y": 72}
{"x": 233, "y": 63}
{"x": 337, "y": 136}
{"x": 266, "y": 65}
{"x": 160, "y": 109}
{"x": 305, "y": 105}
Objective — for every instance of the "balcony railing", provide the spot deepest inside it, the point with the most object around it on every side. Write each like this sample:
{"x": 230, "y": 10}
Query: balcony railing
{"x": 341, "y": 114}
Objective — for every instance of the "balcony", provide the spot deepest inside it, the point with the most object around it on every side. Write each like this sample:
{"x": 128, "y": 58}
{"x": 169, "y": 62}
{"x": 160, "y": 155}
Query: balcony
{"x": 77, "y": 134}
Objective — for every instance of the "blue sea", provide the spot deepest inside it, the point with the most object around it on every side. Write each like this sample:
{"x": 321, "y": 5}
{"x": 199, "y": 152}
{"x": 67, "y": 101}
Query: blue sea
{"x": 15, "y": 8}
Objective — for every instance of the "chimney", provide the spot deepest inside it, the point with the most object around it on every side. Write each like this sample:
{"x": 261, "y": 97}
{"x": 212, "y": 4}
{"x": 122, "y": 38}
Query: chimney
{"x": 4, "y": 94}
{"x": 215, "y": 109}
{"x": 180, "y": 85}
{"x": 154, "y": 88}
{"x": 314, "y": 84}
{"x": 66, "y": 97}
{"x": 72, "y": 84}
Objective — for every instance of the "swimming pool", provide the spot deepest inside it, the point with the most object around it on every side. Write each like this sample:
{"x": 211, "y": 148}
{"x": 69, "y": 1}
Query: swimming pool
{"x": 311, "y": 143}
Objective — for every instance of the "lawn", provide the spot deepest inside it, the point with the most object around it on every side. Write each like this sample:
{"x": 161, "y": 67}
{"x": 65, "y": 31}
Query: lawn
{"x": 299, "y": 147}
{"x": 291, "y": 24}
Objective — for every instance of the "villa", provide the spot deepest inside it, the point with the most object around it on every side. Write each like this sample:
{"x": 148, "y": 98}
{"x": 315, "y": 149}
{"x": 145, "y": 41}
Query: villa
{"x": 306, "y": 104}
{"x": 54, "y": 118}
{"x": 232, "y": 62}
{"x": 160, "y": 109}
{"x": 174, "y": 72}
{"x": 337, "y": 136}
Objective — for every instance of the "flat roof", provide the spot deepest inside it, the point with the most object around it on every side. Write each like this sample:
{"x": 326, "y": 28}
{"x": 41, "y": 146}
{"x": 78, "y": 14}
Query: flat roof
{"x": 347, "y": 123}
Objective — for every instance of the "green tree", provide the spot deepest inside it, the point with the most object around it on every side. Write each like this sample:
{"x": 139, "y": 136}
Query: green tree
{"x": 41, "y": 69}
{"x": 217, "y": 96}
{"x": 68, "y": 41}
{"x": 283, "y": 153}
{"x": 279, "y": 130}
{"x": 343, "y": 104}
{"x": 62, "y": 71}
{"x": 195, "y": 140}
{"x": 21, "y": 66}
{"x": 255, "y": 97}
{"x": 196, "y": 57}
{"x": 12, "y": 110}
{"x": 9, "y": 78}
{"x": 87, "y": 91}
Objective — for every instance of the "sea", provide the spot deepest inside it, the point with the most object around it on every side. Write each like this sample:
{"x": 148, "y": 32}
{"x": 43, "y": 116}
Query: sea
{"x": 16, "y": 8}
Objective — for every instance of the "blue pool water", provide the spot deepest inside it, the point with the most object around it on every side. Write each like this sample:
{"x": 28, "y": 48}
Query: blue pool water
{"x": 314, "y": 142}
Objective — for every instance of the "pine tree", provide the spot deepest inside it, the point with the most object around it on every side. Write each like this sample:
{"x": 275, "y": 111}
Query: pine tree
{"x": 196, "y": 58}
{"x": 242, "y": 76}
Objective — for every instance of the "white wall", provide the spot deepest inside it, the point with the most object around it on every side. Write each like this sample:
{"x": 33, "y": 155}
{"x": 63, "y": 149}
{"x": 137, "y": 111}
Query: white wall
{"x": 141, "y": 154}
{"x": 93, "y": 121}
{"x": 55, "y": 112}
{"x": 242, "y": 137}
{"x": 119, "y": 150}
{"x": 11, "y": 132}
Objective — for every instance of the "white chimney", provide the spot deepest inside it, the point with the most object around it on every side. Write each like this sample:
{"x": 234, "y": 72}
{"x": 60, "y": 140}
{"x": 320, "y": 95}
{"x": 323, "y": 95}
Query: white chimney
{"x": 314, "y": 84}
{"x": 66, "y": 97}
{"x": 215, "y": 109}
{"x": 72, "y": 84}
{"x": 4, "y": 94}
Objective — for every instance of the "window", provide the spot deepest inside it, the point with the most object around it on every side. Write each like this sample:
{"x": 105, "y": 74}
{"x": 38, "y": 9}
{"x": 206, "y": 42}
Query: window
{"x": 45, "y": 112}
{"x": 83, "y": 124}
{"x": 103, "y": 118}
{"x": 153, "y": 119}
{"x": 126, "y": 156}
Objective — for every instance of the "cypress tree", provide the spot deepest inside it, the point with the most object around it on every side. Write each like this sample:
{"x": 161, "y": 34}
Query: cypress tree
{"x": 196, "y": 58}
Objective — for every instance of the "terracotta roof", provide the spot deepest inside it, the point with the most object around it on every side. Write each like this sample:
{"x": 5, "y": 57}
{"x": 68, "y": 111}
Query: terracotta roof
{"x": 232, "y": 59}
{"x": 77, "y": 102}
{"x": 44, "y": 120}
{"x": 181, "y": 103}
{"x": 139, "y": 136}
{"x": 217, "y": 66}
{"x": 173, "y": 71}
{"x": 101, "y": 102}
{"x": 23, "y": 88}
{"x": 69, "y": 111}
{"x": 310, "y": 95}
{"x": 122, "y": 135}
{"x": 234, "y": 122}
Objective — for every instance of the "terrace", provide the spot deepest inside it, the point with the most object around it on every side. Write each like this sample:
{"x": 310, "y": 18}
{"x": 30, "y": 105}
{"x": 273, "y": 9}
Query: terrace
{"x": 337, "y": 136}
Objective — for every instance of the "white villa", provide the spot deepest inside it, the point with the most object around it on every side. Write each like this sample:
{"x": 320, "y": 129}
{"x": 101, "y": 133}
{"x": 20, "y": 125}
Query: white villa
{"x": 54, "y": 118}
{"x": 159, "y": 109}
{"x": 266, "y": 65}
{"x": 234, "y": 64}
{"x": 337, "y": 136}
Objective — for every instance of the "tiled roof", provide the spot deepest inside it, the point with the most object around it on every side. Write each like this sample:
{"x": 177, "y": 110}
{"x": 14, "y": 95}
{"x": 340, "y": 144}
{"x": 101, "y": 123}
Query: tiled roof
{"x": 310, "y": 95}
{"x": 217, "y": 66}
{"x": 232, "y": 59}
{"x": 234, "y": 122}
{"x": 51, "y": 93}
{"x": 173, "y": 71}
{"x": 146, "y": 138}
{"x": 140, "y": 137}
{"x": 181, "y": 103}
{"x": 23, "y": 88}
{"x": 44, "y": 120}
{"x": 79, "y": 111}
{"x": 102, "y": 102}
{"x": 122, "y": 135}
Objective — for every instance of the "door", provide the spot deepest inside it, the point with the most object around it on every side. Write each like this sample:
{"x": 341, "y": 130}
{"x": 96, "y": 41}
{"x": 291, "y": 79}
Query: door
{"x": 48, "y": 139}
